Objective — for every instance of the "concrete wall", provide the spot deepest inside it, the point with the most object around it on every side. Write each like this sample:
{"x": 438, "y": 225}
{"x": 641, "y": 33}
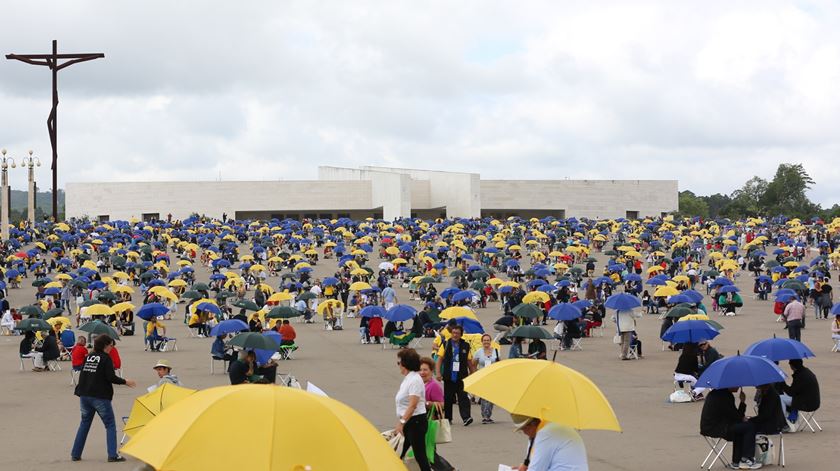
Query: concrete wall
{"x": 459, "y": 193}
{"x": 582, "y": 198}
{"x": 124, "y": 200}
{"x": 391, "y": 191}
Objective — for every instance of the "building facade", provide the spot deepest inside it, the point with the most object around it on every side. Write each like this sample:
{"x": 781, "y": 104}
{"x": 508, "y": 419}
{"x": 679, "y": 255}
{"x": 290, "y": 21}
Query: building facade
{"x": 379, "y": 192}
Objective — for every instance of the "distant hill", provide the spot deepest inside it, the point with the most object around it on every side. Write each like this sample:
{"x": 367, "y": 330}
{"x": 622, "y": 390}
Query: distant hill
{"x": 43, "y": 204}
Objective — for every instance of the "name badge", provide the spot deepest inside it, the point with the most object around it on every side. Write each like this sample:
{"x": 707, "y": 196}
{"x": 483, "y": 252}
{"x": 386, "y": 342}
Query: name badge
{"x": 456, "y": 366}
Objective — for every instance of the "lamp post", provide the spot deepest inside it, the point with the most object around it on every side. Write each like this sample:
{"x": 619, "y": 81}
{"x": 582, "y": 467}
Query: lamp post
{"x": 31, "y": 162}
{"x": 4, "y": 198}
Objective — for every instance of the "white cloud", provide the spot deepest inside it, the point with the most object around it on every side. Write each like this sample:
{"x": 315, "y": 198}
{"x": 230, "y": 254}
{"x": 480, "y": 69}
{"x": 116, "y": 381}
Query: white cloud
{"x": 710, "y": 93}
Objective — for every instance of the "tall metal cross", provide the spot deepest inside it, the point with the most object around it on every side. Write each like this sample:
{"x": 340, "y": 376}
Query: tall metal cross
{"x": 52, "y": 61}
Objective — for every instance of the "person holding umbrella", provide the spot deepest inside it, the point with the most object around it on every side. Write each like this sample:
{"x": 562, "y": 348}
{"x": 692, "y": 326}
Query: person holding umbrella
{"x": 455, "y": 363}
{"x": 95, "y": 393}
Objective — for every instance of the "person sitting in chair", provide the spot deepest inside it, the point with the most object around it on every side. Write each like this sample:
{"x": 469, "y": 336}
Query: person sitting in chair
{"x": 721, "y": 419}
{"x": 803, "y": 394}
{"x": 287, "y": 332}
{"x": 78, "y": 353}
{"x": 770, "y": 419}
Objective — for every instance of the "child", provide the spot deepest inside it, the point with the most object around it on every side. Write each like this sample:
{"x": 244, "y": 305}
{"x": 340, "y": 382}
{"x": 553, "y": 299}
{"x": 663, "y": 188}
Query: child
{"x": 78, "y": 353}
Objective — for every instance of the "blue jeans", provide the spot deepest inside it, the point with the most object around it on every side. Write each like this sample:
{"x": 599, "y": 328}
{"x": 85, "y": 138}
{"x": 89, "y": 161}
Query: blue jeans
{"x": 89, "y": 406}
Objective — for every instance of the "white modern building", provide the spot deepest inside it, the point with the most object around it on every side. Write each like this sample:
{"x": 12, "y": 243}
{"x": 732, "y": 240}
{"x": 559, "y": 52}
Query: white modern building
{"x": 379, "y": 192}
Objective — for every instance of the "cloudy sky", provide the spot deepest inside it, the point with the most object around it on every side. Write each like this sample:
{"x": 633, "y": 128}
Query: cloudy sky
{"x": 710, "y": 93}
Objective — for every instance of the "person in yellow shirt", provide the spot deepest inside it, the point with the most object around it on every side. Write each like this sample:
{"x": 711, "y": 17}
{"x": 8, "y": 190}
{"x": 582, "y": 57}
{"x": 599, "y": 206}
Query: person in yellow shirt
{"x": 455, "y": 363}
{"x": 155, "y": 334}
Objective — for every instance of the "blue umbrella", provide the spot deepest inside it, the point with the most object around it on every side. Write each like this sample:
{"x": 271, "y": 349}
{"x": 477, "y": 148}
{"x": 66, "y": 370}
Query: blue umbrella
{"x": 448, "y": 292}
{"x": 729, "y": 289}
{"x": 148, "y": 311}
{"x": 738, "y": 371}
{"x": 695, "y": 296}
{"x": 97, "y": 285}
{"x": 547, "y": 288}
{"x": 779, "y": 349}
{"x": 721, "y": 281}
{"x": 623, "y": 302}
{"x": 52, "y": 291}
{"x": 373, "y": 311}
{"x": 690, "y": 332}
{"x": 463, "y": 296}
{"x": 228, "y": 326}
{"x": 565, "y": 312}
{"x": 632, "y": 277}
{"x": 400, "y": 313}
{"x": 680, "y": 298}
{"x": 471, "y": 326}
{"x": 835, "y": 310}
{"x": 330, "y": 281}
{"x": 263, "y": 356}
{"x": 209, "y": 307}
{"x": 583, "y": 304}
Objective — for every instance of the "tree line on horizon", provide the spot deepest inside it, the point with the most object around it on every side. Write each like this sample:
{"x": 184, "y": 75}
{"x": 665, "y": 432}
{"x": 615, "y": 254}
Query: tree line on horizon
{"x": 784, "y": 195}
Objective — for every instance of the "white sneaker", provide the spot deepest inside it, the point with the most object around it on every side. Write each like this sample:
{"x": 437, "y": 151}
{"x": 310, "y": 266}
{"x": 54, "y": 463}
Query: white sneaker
{"x": 749, "y": 464}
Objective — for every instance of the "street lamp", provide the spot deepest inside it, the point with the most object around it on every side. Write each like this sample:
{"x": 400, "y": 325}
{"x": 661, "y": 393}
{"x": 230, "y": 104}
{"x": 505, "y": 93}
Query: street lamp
{"x": 4, "y": 198}
{"x": 31, "y": 162}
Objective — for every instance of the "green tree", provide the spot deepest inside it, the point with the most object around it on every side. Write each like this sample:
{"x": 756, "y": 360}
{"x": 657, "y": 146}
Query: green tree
{"x": 718, "y": 205}
{"x": 691, "y": 205}
{"x": 746, "y": 201}
{"x": 785, "y": 194}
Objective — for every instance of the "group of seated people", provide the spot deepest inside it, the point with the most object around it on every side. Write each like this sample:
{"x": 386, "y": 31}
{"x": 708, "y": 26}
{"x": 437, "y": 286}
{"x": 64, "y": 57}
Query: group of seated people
{"x": 778, "y": 407}
{"x": 694, "y": 359}
{"x": 248, "y": 366}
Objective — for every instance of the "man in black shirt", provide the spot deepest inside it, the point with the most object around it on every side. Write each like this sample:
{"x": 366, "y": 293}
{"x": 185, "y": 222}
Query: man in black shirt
{"x": 803, "y": 394}
{"x": 721, "y": 419}
{"x": 95, "y": 391}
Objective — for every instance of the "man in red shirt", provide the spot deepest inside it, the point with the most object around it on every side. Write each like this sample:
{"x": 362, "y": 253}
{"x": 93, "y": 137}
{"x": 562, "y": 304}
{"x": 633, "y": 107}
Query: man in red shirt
{"x": 287, "y": 332}
{"x": 78, "y": 354}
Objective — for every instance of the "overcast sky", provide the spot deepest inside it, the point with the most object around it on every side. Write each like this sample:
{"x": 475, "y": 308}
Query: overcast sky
{"x": 709, "y": 93}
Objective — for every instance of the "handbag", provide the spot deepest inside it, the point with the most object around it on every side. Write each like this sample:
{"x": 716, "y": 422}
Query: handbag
{"x": 444, "y": 429}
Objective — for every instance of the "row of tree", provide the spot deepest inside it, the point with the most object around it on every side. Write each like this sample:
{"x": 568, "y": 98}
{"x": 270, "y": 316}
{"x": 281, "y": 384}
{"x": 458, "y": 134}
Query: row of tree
{"x": 783, "y": 195}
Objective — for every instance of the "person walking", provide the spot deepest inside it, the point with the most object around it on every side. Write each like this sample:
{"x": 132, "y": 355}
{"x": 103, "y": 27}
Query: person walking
{"x": 625, "y": 325}
{"x": 794, "y": 316}
{"x": 95, "y": 391}
{"x": 454, "y": 363}
{"x": 484, "y": 357}
{"x": 411, "y": 408}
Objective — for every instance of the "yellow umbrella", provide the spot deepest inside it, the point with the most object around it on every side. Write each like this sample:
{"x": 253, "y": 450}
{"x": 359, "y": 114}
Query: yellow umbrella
{"x": 63, "y": 277}
{"x": 54, "y": 284}
{"x": 535, "y": 297}
{"x": 457, "y": 311}
{"x": 546, "y": 390}
{"x": 666, "y": 291}
{"x": 336, "y": 304}
{"x": 123, "y": 289}
{"x": 276, "y": 438}
{"x": 99, "y": 310}
{"x": 282, "y": 296}
{"x": 359, "y": 286}
{"x": 148, "y": 406}
{"x": 118, "y": 274}
{"x": 121, "y": 307}
{"x": 65, "y": 322}
{"x": 392, "y": 251}
{"x": 178, "y": 283}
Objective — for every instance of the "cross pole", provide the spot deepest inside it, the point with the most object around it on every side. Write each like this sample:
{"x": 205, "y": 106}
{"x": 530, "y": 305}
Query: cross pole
{"x": 52, "y": 61}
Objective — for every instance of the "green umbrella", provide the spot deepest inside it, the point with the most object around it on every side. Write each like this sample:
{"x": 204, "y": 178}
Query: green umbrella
{"x": 795, "y": 285}
{"x": 434, "y": 315}
{"x": 33, "y": 324}
{"x": 528, "y": 311}
{"x": 253, "y": 340}
{"x": 680, "y": 311}
{"x": 246, "y": 304}
{"x": 100, "y": 328}
{"x": 117, "y": 261}
{"x": 192, "y": 295}
{"x": 77, "y": 284}
{"x": 478, "y": 285}
{"x": 480, "y": 275}
{"x": 32, "y": 311}
{"x": 413, "y": 274}
{"x": 89, "y": 302}
{"x": 53, "y": 313}
{"x": 283, "y": 312}
{"x": 457, "y": 273}
{"x": 425, "y": 280}
{"x": 530, "y": 332}
{"x": 106, "y": 296}
{"x": 306, "y": 296}
{"x": 590, "y": 259}
{"x": 224, "y": 294}
{"x": 40, "y": 282}
{"x": 611, "y": 253}
{"x": 576, "y": 270}
{"x": 200, "y": 287}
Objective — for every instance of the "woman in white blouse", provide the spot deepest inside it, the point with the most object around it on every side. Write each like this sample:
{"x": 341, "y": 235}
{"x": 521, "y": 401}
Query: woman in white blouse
{"x": 411, "y": 407}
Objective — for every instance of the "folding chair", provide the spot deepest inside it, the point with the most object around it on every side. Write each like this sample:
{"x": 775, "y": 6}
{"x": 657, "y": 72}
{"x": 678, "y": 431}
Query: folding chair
{"x": 166, "y": 341}
{"x": 836, "y": 347}
{"x": 53, "y": 365}
{"x": 287, "y": 351}
{"x": 21, "y": 361}
{"x": 124, "y": 421}
{"x": 808, "y": 420}
{"x": 213, "y": 361}
{"x": 416, "y": 342}
{"x": 73, "y": 375}
{"x": 634, "y": 352}
{"x": 717, "y": 450}
{"x": 576, "y": 344}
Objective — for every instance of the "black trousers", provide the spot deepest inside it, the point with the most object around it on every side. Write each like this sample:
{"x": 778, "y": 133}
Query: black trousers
{"x": 795, "y": 329}
{"x": 414, "y": 432}
{"x": 742, "y": 436}
{"x": 451, "y": 390}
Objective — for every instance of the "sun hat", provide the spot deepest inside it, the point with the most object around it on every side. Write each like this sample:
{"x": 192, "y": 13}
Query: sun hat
{"x": 520, "y": 421}
{"x": 162, "y": 364}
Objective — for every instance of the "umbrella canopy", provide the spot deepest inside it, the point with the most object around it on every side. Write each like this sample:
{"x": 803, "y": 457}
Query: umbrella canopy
{"x": 690, "y": 332}
{"x": 283, "y": 312}
{"x": 228, "y": 326}
{"x": 740, "y": 370}
{"x": 530, "y": 332}
{"x": 400, "y": 313}
{"x": 680, "y": 311}
{"x": 544, "y": 389}
{"x": 253, "y": 340}
{"x": 779, "y": 349}
{"x": 148, "y": 311}
{"x": 33, "y": 324}
{"x": 623, "y": 302}
{"x": 457, "y": 311}
{"x": 100, "y": 328}
{"x": 246, "y": 304}
{"x": 148, "y": 406}
{"x": 276, "y": 437}
{"x": 528, "y": 311}
{"x": 31, "y": 311}
{"x": 372, "y": 311}
{"x": 565, "y": 312}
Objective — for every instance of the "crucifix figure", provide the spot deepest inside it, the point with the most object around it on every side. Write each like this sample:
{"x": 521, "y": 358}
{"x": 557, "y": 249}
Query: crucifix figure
{"x": 52, "y": 61}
